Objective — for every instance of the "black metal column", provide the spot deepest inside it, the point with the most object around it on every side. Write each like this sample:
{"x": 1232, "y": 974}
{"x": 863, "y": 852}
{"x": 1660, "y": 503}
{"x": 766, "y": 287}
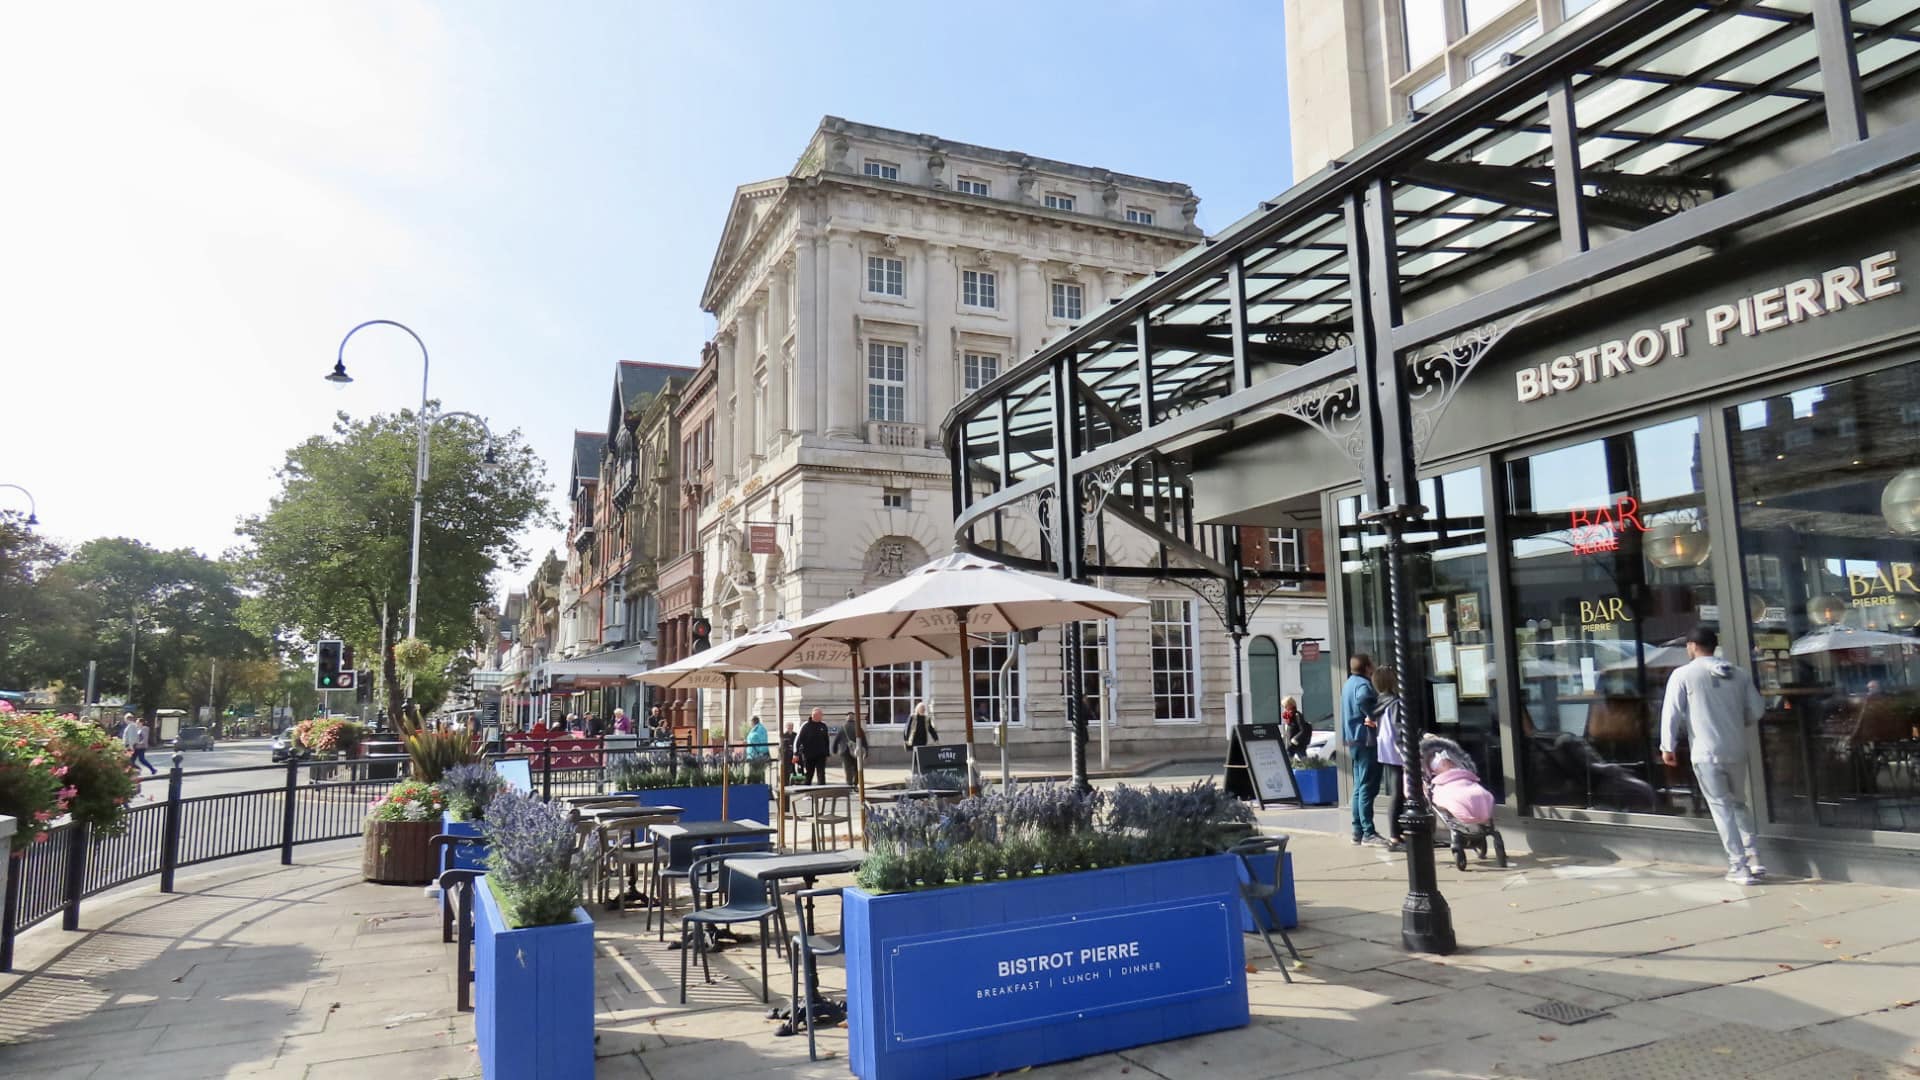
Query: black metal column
{"x": 10, "y": 906}
{"x": 1393, "y": 482}
{"x": 77, "y": 839}
{"x": 170, "y": 837}
{"x": 1070, "y": 550}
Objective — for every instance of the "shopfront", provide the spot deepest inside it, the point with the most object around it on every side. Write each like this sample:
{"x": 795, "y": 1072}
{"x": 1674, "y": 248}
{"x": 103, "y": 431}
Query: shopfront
{"x": 1739, "y": 450}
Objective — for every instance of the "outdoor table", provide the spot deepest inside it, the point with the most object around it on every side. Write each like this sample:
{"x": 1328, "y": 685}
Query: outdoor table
{"x": 795, "y": 792}
{"x": 913, "y": 793}
{"x": 680, "y": 839}
{"x": 809, "y": 868}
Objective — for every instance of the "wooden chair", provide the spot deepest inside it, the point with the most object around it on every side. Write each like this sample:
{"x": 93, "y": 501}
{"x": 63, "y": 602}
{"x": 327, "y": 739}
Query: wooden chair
{"x": 456, "y": 925}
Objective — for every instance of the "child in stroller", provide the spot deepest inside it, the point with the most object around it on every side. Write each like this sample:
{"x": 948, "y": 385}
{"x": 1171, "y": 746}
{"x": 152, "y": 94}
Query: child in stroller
{"x": 1458, "y": 800}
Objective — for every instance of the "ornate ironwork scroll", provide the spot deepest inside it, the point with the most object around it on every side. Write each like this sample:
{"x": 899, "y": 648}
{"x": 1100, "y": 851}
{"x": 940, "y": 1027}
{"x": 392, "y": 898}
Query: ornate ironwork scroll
{"x": 1436, "y": 375}
{"x": 1333, "y": 409}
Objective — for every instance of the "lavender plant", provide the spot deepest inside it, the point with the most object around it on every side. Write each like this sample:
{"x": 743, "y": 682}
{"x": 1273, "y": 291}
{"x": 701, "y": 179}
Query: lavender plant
{"x": 469, "y": 789}
{"x": 1046, "y": 829}
{"x": 532, "y": 862}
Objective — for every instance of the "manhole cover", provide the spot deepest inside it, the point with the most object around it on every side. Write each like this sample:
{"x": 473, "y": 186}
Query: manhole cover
{"x": 1563, "y": 1012}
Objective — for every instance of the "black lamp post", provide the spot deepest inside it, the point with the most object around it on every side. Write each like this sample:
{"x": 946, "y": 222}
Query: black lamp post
{"x": 33, "y": 517}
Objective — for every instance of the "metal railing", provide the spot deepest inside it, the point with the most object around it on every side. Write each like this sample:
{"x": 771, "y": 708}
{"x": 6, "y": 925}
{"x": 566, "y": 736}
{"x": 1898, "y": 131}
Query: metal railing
{"x": 54, "y": 875}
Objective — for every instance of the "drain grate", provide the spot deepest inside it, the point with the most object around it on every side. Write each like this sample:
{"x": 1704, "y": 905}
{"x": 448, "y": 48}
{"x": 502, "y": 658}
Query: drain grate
{"x": 1564, "y": 1012}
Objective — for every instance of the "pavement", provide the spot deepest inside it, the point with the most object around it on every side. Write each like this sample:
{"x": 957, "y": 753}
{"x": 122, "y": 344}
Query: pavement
{"x": 258, "y": 970}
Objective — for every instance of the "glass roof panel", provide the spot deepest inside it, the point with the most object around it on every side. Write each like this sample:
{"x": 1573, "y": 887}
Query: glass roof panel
{"x": 1776, "y": 61}
{"x": 1515, "y": 148}
{"x": 1618, "y": 56}
{"x": 1657, "y": 156}
{"x": 1676, "y": 110}
{"x": 1602, "y": 147}
{"x": 1733, "y": 33}
{"x": 1881, "y": 53}
{"x": 1759, "y": 110}
{"x": 1604, "y": 98}
{"x": 1879, "y": 13}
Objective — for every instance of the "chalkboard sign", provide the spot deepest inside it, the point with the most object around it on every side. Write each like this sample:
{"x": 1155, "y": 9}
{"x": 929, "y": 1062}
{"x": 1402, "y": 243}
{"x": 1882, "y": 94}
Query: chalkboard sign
{"x": 1257, "y": 766}
{"x": 951, "y": 757}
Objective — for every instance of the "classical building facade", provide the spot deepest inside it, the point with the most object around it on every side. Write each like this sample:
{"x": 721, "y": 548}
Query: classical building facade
{"x": 858, "y": 299}
{"x": 1357, "y": 67}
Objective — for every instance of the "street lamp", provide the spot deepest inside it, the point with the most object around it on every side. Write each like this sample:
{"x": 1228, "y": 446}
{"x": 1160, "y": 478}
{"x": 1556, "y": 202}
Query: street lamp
{"x": 339, "y": 377}
{"x": 33, "y": 517}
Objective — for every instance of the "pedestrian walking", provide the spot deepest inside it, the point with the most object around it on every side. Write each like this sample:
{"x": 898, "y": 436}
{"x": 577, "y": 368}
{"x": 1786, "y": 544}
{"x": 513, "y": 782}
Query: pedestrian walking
{"x": 1710, "y": 703}
{"x": 1389, "y": 714}
{"x": 1296, "y": 731}
{"x": 757, "y": 752}
{"x": 850, "y": 743}
{"x": 920, "y": 730}
{"x": 136, "y": 737}
{"x": 812, "y": 745}
{"x": 1361, "y": 731}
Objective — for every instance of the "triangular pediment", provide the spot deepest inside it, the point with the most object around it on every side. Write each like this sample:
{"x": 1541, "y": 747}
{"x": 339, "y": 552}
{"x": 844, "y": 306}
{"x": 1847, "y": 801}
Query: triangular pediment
{"x": 752, "y": 205}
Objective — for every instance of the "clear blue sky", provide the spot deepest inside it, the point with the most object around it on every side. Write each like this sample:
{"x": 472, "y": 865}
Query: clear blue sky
{"x": 202, "y": 198}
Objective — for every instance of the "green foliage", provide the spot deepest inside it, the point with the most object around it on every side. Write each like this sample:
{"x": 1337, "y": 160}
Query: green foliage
{"x": 534, "y": 862}
{"x": 99, "y": 774}
{"x": 329, "y": 736}
{"x": 30, "y": 785}
{"x": 470, "y": 788}
{"x": 434, "y": 752}
{"x": 411, "y": 656}
{"x": 330, "y": 555}
{"x": 1045, "y": 829}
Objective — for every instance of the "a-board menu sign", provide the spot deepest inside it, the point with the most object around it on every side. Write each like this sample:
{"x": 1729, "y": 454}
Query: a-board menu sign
{"x": 1257, "y": 766}
{"x": 948, "y": 756}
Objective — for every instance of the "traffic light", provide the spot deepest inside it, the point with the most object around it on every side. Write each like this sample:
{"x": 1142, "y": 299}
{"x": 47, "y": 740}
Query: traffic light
{"x": 702, "y": 635}
{"x": 363, "y": 684}
{"x": 349, "y": 678}
{"x": 326, "y": 671}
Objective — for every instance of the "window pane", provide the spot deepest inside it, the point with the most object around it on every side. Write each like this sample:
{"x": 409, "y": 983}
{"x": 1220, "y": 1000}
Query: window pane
{"x": 1171, "y": 629}
{"x": 1609, "y": 561}
{"x": 1489, "y": 57}
{"x": 1827, "y": 493}
{"x": 1428, "y": 92}
{"x": 1426, "y": 26}
{"x": 1482, "y": 12}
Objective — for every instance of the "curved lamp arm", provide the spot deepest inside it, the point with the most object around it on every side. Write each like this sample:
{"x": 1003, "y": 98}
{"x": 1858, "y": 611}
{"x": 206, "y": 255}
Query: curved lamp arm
{"x": 488, "y": 458}
{"x": 339, "y": 374}
{"x": 33, "y": 509}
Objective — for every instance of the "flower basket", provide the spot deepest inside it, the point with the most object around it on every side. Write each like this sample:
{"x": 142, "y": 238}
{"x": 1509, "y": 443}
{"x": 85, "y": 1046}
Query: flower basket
{"x": 398, "y": 852}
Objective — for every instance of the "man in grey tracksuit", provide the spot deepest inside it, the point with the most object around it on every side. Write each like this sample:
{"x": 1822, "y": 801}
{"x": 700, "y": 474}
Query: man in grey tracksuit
{"x": 1710, "y": 703}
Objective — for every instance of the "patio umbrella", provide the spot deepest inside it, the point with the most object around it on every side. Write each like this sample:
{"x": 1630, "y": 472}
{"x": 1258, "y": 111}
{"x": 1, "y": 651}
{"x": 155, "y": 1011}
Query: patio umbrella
{"x": 954, "y": 596}
{"x": 773, "y": 647}
{"x": 710, "y": 670}
{"x": 1838, "y": 637}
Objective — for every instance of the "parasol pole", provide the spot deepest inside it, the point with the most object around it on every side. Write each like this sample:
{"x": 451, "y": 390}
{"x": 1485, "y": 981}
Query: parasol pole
{"x": 726, "y": 736}
{"x": 860, "y": 770}
{"x": 780, "y": 756}
{"x": 966, "y": 693}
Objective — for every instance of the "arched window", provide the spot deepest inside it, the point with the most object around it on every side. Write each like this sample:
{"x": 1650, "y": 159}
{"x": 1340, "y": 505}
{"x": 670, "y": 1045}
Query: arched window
{"x": 1263, "y": 680}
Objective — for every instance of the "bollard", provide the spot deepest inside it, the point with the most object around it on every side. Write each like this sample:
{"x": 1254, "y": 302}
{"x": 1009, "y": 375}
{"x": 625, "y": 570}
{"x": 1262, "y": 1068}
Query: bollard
{"x": 170, "y": 838}
{"x": 76, "y": 875}
{"x": 286, "y": 811}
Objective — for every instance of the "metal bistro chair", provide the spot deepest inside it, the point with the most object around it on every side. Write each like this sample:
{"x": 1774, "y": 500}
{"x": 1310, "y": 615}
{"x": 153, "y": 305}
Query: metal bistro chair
{"x": 725, "y": 894}
{"x": 805, "y": 950}
{"x": 456, "y": 925}
{"x": 623, "y": 849}
{"x": 1258, "y": 894}
{"x": 830, "y": 815}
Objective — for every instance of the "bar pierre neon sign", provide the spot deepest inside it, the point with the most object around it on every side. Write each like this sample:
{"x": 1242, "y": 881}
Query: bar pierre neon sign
{"x": 1597, "y": 530}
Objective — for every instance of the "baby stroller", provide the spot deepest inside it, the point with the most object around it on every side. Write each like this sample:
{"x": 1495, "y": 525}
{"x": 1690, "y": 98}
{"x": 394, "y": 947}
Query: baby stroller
{"x": 1459, "y": 801}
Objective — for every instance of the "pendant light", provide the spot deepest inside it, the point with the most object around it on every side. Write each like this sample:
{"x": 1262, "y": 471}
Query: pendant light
{"x": 1826, "y": 610}
{"x": 1900, "y": 502}
{"x": 1671, "y": 545}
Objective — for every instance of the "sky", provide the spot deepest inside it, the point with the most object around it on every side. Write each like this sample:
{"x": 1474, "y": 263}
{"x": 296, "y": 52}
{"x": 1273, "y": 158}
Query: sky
{"x": 202, "y": 198}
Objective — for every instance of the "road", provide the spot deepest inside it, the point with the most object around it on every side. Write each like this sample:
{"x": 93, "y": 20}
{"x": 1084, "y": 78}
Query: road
{"x": 238, "y": 753}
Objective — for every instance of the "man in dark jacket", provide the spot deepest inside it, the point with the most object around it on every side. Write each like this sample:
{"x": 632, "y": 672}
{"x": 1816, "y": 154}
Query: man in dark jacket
{"x": 812, "y": 744}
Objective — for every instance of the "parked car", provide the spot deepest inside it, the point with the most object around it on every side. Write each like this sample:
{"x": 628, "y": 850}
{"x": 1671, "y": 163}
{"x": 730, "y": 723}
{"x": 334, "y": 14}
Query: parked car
{"x": 194, "y": 738}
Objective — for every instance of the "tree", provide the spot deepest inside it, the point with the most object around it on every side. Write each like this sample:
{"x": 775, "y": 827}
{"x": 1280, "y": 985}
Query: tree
{"x": 149, "y": 609}
{"x": 330, "y": 555}
{"x": 40, "y": 631}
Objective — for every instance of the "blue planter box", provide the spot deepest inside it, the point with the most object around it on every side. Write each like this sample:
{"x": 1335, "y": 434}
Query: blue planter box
{"x": 978, "y": 979}
{"x": 703, "y": 803}
{"x": 1256, "y": 918}
{"x": 464, "y": 857}
{"x": 532, "y": 995}
{"x": 1318, "y": 787}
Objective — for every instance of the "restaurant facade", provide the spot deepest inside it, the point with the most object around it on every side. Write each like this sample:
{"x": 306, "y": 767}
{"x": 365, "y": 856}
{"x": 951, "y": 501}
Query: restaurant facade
{"x": 1632, "y": 322}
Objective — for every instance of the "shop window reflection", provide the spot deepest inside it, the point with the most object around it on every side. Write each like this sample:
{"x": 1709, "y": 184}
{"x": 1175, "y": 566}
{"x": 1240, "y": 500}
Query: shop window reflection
{"x": 1827, "y": 483}
{"x": 1447, "y": 574}
{"x": 1610, "y": 550}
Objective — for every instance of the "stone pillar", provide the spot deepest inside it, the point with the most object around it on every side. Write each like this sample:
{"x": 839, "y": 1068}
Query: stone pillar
{"x": 747, "y": 439}
{"x": 806, "y": 343}
{"x": 779, "y": 304}
{"x": 1031, "y": 309}
{"x": 941, "y": 377}
{"x": 725, "y": 387}
{"x": 844, "y": 367}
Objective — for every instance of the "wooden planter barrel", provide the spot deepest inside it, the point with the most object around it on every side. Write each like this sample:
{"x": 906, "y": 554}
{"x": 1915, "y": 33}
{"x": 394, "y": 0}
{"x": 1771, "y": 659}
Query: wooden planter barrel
{"x": 398, "y": 852}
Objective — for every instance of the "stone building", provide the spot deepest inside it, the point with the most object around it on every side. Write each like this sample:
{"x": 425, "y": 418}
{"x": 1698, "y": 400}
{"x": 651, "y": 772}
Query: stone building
{"x": 858, "y": 299}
